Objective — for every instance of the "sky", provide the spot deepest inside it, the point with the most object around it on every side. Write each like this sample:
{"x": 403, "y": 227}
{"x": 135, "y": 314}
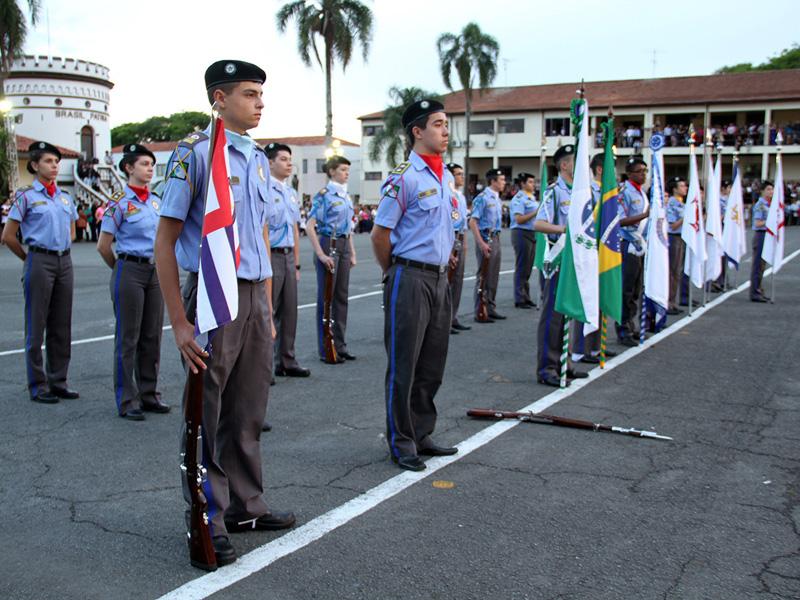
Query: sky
{"x": 158, "y": 51}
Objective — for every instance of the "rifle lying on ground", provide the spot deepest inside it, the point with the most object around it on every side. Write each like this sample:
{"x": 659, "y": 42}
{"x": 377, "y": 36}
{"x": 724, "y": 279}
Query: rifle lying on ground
{"x": 328, "y": 345}
{"x": 201, "y": 549}
{"x": 483, "y": 302}
{"x": 545, "y": 419}
{"x": 457, "y": 246}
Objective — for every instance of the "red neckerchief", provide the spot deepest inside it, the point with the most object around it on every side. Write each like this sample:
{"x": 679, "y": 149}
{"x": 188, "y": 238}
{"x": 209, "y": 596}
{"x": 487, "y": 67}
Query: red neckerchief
{"x": 141, "y": 192}
{"x": 50, "y": 188}
{"x": 434, "y": 161}
{"x": 636, "y": 185}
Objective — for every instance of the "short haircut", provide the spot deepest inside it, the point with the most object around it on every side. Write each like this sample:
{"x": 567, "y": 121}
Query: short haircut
{"x": 522, "y": 178}
{"x": 562, "y": 159}
{"x": 672, "y": 184}
{"x": 422, "y": 123}
{"x": 334, "y": 162}
{"x": 130, "y": 160}
{"x": 226, "y": 89}
{"x": 766, "y": 183}
{"x": 597, "y": 161}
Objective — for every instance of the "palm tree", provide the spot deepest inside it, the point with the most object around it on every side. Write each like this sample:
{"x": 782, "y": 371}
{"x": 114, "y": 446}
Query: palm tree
{"x": 473, "y": 55}
{"x": 389, "y": 143}
{"x": 341, "y": 24}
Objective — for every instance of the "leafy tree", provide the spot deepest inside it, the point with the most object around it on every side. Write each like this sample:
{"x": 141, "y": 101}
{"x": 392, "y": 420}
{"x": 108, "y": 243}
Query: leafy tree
{"x": 789, "y": 58}
{"x": 159, "y": 129}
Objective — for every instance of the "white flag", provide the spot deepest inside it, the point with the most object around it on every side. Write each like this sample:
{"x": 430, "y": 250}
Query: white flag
{"x": 714, "y": 249}
{"x": 693, "y": 231}
{"x": 776, "y": 234}
{"x": 734, "y": 237}
{"x": 656, "y": 261}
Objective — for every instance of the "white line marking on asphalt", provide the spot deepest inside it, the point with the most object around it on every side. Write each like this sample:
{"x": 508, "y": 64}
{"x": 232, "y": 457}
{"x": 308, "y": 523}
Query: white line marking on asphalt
{"x": 263, "y": 556}
{"x": 104, "y": 338}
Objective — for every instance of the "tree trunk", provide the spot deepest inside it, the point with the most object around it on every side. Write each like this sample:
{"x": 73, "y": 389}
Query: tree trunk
{"x": 328, "y": 95}
{"x": 468, "y": 118}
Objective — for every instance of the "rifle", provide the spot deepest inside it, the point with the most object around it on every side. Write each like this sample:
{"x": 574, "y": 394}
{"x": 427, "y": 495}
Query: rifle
{"x": 457, "y": 246}
{"x": 483, "y": 302}
{"x": 546, "y": 419}
{"x": 201, "y": 549}
{"x": 327, "y": 321}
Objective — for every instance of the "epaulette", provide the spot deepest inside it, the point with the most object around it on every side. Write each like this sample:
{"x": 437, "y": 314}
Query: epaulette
{"x": 117, "y": 196}
{"x": 24, "y": 189}
{"x": 192, "y": 139}
{"x": 552, "y": 185}
{"x": 322, "y": 192}
{"x": 401, "y": 168}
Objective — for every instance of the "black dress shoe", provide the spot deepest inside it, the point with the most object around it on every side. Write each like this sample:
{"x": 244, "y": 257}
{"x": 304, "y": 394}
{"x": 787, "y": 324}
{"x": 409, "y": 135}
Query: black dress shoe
{"x": 477, "y": 320}
{"x": 293, "y": 372}
{"x": 461, "y": 327}
{"x": 64, "y": 393}
{"x": 573, "y": 374}
{"x": 223, "y": 550}
{"x": 496, "y": 316}
{"x": 674, "y": 311}
{"x": 45, "y": 398}
{"x": 611, "y": 354}
{"x": 551, "y": 380}
{"x": 272, "y": 521}
{"x": 454, "y": 331}
{"x": 695, "y": 304}
{"x": 590, "y": 360}
{"x": 265, "y": 426}
{"x": 339, "y": 360}
{"x": 346, "y": 355}
{"x": 133, "y": 415}
{"x": 272, "y": 382}
{"x": 629, "y": 342}
{"x": 759, "y": 299}
{"x": 531, "y": 304}
{"x": 434, "y": 450}
{"x": 522, "y": 305}
{"x": 409, "y": 463}
{"x": 158, "y": 407}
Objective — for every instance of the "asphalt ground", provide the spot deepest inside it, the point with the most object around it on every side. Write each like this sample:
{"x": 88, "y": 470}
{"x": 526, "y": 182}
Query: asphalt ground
{"x": 91, "y": 504}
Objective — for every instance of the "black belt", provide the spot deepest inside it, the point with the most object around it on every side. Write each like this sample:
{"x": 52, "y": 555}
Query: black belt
{"x": 39, "y": 250}
{"x": 419, "y": 265}
{"x": 283, "y": 250}
{"x": 490, "y": 234}
{"x": 336, "y": 237}
{"x": 460, "y": 237}
{"x": 136, "y": 259}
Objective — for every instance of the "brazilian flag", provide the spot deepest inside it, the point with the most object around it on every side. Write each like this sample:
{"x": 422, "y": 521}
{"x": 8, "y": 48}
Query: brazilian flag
{"x": 608, "y": 240}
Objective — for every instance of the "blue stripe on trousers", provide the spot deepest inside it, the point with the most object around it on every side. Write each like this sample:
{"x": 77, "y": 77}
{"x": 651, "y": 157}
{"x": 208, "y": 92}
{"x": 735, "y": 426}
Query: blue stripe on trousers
{"x": 552, "y": 305}
{"x": 392, "y": 366}
{"x": 118, "y": 342}
{"x": 34, "y": 388}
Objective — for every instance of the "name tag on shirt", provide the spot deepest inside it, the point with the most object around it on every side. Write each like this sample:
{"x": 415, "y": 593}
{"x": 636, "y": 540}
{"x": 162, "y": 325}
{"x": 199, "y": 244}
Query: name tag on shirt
{"x": 234, "y": 180}
{"x": 426, "y": 193}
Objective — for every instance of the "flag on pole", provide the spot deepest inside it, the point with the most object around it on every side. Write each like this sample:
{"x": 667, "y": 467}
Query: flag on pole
{"x": 776, "y": 215}
{"x": 656, "y": 259}
{"x": 714, "y": 250}
{"x": 693, "y": 231}
{"x": 734, "y": 237}
{"x": 541, "y": 239}
{"x": 217, "y": 288}
{"x": 577, "y": 293}
{"x": 608, "y": 242}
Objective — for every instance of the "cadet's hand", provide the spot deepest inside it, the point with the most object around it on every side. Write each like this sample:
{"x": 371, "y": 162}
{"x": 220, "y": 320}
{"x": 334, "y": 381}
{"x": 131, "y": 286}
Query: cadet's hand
{"x": 326, "y": 261}
{"x": 453, "y": 262}
{"x": 273, "y": 331}
{"x": 486, "y": 249}
{"x": 297, "y": 274}
{"x": 353, "y": 260}
{"x": 192, "y": 353}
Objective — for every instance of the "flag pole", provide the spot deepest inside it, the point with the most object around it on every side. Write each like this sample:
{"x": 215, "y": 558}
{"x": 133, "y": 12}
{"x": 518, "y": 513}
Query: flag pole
{"x": 734, "y": 172}
{"x": 708, "y": 163}
{"x": 603, "y": 319}
{"x": 692, "y": 143}
{"x": 779, "y": 144}
{"x": 542, "y": 187}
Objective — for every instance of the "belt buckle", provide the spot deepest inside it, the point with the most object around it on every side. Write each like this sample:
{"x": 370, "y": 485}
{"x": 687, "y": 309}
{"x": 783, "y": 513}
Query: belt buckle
{"x": 442, "y": 269}
{"x": 60, "y": 252}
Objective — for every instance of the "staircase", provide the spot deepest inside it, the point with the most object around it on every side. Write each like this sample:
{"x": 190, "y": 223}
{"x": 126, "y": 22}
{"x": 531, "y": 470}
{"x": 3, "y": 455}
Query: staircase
{"x": 109, "y": 182}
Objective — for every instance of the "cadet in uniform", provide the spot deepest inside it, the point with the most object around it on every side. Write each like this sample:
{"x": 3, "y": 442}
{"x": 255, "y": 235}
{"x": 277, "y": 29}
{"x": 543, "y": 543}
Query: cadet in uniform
{"x": 285, "y": 256}
{"x": 759, "y": 218}
{"x": 131, "y": 219}
{"x": 46, "y": 215}
{"x": 676, "y": 190}
{"x": 460, "y": 246}
{"x": 633, "y": 209}
{"x": 485, "y": 222}
{"x": 552, "y": 220}
{"x": 412, "y": 240}
{"x": 725, "y": 192}
{"x": 523, "y": 212}
{"x": 237, "y": 373}
{"x": 332, "y": 215}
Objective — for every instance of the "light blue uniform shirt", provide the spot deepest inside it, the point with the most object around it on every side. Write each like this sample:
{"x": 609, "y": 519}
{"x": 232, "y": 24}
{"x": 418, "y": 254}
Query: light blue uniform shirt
{"x": 596, "y": 193}
{"x": 723, "y": 205}
{"x": 522, "y": 204}
{"x": 284, "y": 216}
{"x": 45, "y": 222}
{"x": 133, "y": 223}
{"x": 420, "y": 211}
{"x": 184, "y": 198}
{"x": 760, "y": 211}
{"x": 632, "y": 202}
{"x": 555, "y": 205}
{"x": 333, "y": 210}
{"x": 675, "y": 210}
{"x": 460, "y": 224}
{"x": 486, "y": 210}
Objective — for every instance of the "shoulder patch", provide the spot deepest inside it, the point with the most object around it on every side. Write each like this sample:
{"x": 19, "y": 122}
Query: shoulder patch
{"x": 193, "y": 138}
{"x": 322, "y": 192}
{"x": 401, "y": 168}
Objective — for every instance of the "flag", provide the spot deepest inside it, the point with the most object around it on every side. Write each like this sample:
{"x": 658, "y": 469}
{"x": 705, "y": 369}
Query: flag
{"x": 576, "y": 296}
{"x": 541, "y": 239}
{"x": 714, "y": 250}
{"x": 734, "y": 237}
{"x": 656, "y": 259}
{"x": 217, "y": 288}
{"x": 608, "y": 242}
{"x": 693, "y": 231}
{"x": 776, "y": 233}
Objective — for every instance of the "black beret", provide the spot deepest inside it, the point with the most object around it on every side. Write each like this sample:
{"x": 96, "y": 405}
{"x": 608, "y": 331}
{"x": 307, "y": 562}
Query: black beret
{"x": 494, "y": 173}
{"x": 419, "y": 109}
{"x": 726, "y": 183}
{"x": 453, "y": 166}
{"x": 633, "y": 161}
{"x": 562, "y": 152}
{"x": 522, "y": 177}
{"x": 273, "y": 148}
{"x": 131, "y": 151}
{"x": 36, "y": 149}
{"x": 232, "y": 71}
{"x": 676, "y": 179}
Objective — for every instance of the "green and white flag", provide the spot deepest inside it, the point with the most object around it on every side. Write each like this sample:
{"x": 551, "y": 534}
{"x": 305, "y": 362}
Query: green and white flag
{"x": 577, "y": 294}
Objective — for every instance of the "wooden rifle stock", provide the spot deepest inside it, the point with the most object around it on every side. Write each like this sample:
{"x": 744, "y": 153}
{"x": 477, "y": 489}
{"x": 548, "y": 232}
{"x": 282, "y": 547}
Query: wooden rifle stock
{"x": 201, "y": 549}
{"x": 483, "y": 302}
{"x": 457, "y": 246}
{"x": 329, "y": 347}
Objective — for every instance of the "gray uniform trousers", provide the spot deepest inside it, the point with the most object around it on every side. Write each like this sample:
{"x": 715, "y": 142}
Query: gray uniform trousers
{"x": 524, "y": 242}
{"x": 676, "y": 252}
{"x": 757, "y": 268}
{"x": 341, "y": 285}
{"x": 284, "y": 306}
{"x": 493, "y": 276}
{"x": 139, "y": 311}
{"x": 587, "y": 345}
{"x": 235, "y": 393}
{"x": 416, "y": 333}
{"x": 632, "y": 281}
{"x": 47, "y": 282}
{"x": 457, "y": 284}
{"x": 550, "y": 334}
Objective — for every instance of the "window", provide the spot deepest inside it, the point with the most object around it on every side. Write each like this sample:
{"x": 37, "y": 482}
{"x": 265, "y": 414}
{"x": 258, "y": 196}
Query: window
{"x": 556, "y": 127}
{"x": 372, "y": 176}
{"x": 370, "y": 130}
{"x": 321, "y": 165}
{"x": 511, "y": 125}
{"x": 59, "y": 102}
{"x": 26, "y": 101}
{"x": 305, "y": 166}
{"x": 481, "y": 127}
{"x": 161, "y": 170}
{"x": 87, "y": 104}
